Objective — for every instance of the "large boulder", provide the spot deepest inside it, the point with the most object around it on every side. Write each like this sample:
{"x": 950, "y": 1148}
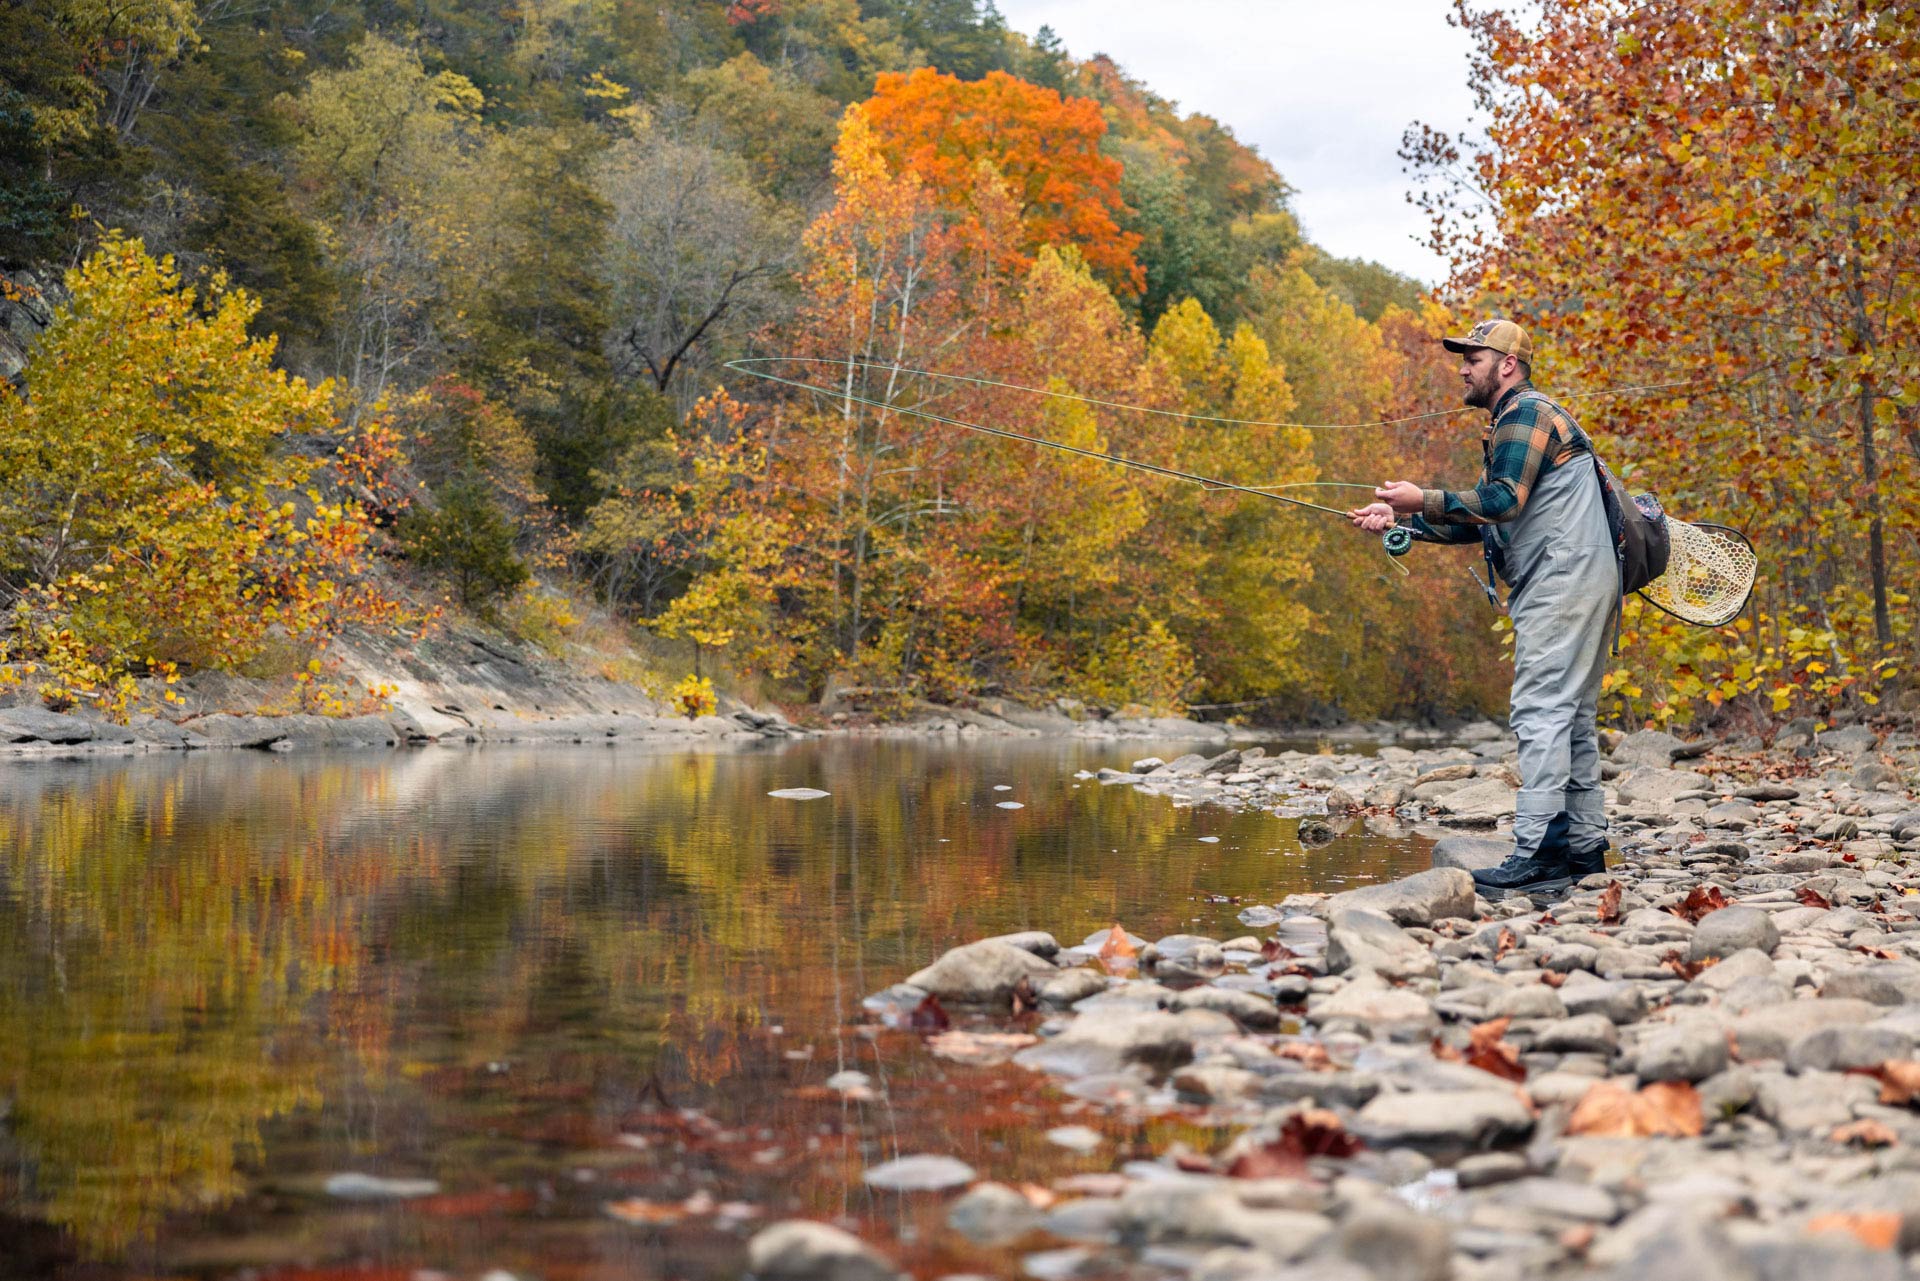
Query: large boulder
{"x": 1420, "y": 899}
{"x": 982, "y": 973}
{"x": 37, "y": 725}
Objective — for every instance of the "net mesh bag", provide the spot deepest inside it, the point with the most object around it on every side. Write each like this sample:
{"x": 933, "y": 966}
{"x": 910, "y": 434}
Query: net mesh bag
{"x": 1709, "y": 575}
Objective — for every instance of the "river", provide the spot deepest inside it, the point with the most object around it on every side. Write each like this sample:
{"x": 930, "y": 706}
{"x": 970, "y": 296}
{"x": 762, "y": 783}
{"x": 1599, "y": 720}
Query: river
{"x": 594, "y": 995}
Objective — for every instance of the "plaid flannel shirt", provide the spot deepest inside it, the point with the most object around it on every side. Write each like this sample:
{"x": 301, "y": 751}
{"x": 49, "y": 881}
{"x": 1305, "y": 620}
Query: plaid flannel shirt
{"x": 1527, "y": 436}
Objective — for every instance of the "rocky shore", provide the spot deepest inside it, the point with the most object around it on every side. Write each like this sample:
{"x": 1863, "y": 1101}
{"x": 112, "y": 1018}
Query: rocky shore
{"x": 1699, "y": 1065}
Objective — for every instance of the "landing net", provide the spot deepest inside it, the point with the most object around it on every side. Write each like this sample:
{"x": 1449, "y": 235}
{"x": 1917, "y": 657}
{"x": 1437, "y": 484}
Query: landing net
{"x": 1710, "y": 574}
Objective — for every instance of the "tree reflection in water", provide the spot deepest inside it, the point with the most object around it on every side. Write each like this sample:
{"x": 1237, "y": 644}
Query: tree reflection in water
{"x": 547, "y": 979}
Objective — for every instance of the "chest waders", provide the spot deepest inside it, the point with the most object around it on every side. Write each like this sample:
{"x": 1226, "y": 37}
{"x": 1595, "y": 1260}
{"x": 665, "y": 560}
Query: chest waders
{"x": 1558, "y": 558}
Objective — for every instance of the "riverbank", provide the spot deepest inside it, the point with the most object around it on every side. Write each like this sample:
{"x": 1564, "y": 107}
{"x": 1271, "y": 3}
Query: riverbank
{"x": 467, "y": 687}
{"x": 1700, "y": 1063}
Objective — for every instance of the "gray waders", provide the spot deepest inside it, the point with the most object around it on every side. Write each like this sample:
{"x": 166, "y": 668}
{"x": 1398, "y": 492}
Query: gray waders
{"x": 1558, "y": 558}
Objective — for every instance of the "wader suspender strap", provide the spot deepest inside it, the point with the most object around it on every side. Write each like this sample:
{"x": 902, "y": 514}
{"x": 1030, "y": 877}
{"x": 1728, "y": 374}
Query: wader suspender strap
{"x": 1608, "y": 502}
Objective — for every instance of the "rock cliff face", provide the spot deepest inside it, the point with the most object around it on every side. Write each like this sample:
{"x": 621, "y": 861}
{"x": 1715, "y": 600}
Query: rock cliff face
{"x": 461, "y": 687}
{"x": 27, "y": 301}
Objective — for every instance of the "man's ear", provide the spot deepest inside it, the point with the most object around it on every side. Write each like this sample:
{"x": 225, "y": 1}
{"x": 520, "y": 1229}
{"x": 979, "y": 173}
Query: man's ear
{"x": 1509, "y": 365}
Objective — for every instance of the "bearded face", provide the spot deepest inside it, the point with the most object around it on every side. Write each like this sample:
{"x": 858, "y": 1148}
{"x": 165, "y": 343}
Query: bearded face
{"x": 1480, "y": 372}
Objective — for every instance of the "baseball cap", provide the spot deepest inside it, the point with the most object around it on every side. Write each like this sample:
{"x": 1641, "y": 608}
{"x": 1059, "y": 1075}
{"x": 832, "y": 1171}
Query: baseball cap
{"x": 1502, "y": 336}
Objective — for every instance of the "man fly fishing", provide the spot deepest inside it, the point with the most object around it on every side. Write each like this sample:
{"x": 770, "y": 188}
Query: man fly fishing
{"x": 1539, "y": 514}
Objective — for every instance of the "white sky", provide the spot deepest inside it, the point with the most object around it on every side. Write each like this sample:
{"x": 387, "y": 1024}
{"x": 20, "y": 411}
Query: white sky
{"x": 1322, "y": 90}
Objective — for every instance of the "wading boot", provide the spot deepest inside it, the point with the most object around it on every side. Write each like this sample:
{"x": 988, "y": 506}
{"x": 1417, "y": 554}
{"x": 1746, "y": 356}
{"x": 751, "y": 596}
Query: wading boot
{"x": 1588, "y": 862}
{"x": 1544, "y": 871}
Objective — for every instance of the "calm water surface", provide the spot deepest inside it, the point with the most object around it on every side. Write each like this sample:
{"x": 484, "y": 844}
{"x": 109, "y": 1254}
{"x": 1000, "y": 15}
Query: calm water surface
{"x": 554, "y": 982}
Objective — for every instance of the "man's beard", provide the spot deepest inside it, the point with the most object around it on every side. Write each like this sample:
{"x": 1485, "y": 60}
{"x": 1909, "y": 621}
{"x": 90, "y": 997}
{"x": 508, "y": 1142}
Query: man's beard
{"x": 1480, "y": 394}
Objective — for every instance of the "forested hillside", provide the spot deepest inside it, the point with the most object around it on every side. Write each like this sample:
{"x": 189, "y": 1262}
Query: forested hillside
{"x": 383, "y": 310}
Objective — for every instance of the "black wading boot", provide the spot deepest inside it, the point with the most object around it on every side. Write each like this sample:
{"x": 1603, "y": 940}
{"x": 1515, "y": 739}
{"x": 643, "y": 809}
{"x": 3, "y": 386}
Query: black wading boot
{"x": 1547, "y": 870}
{"x": 1589, "y": 862}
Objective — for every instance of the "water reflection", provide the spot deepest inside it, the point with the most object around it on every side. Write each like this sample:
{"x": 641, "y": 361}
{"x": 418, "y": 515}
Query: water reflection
{"x": 549, "y": 980}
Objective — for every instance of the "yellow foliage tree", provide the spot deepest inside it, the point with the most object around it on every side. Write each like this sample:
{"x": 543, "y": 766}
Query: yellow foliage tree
{"x": 152, "y": 515}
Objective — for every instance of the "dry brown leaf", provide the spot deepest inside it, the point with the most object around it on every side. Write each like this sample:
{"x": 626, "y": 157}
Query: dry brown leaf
{"x": 1275, "y": 950}
{"x": 1505, "y": 944}
{"x": 1866, "y": 1134}
{"x": 1810, "y": 897}
{"x": 1553, "y": 978}
{"x": 1899, "y": 1081}
{"x": 1038, "y": 1196}
{"x": 1023, "y": 998}
{"x": 1668, "y": 1108}
{"x": 1118, "y": 952}
{"x": 1875, "y": 1229}
{"x": 1310, "y": 1133}
{"x": 1310, "y": 1053}
{"x": 1702, "y": 900}
{"x": 1686, "y": 969}
{"x": 644, "y": 1213}
{"x": 1488, "y": 1052}
{"x": 1610, "y": 902}
{"x": 929, "y": 1016}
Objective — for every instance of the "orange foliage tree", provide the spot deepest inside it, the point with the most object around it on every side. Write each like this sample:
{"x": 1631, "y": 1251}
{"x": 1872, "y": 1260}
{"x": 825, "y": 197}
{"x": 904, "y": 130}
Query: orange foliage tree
{"x": 1045, "y": 148}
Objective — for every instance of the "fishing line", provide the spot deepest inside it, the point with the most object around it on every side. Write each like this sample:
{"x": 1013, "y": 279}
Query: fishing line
{"x": 745, "y": 364}
{"x": 1395, "y": 542}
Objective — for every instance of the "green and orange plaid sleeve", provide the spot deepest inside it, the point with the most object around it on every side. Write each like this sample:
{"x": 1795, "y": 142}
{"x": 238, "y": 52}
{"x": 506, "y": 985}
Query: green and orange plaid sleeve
{"x": 1532, "y": 435}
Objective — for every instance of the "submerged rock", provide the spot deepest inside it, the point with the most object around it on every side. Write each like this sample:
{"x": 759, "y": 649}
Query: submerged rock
{"x": 801, "y": 1250}
{"x": 919, "y": 1174}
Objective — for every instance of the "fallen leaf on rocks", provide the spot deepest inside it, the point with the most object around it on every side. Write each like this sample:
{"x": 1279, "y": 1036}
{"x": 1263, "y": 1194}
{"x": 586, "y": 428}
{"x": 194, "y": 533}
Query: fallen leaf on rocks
{"x": 1899, "y": 1081}
{"x": 1865, "y": 1134}
{"x": 1275, "y": 950}
{"x": 1023, "y": 998}
{"x": 1610, "y": 902}
{"x": 1487, "y": 1051}
{"x": 1309, "y": 1133}
{"x": 1118, "y": 952}
{"x": 1577, "y": 1240}
{"x": 1700, "y": 901}
{"x": 979, "y": 1048}
{"x": 1875, "y": 1229}
{"x": 1038, "y": 1196}
{"x": 1688, "y": 970}
{"x": 1810, "y": 897}
{"x": 1505, "y": 943}
{"x": 1877, "y": 953}
{"x": 929, "y": 1016}
{"x": 1547, "y": 918}
{"x": 1553, "y": 978}
{"x": 1667, "y": 1108}
{"x": 1193, "y": 1162}
{"x": 1310, "y": 1053}
{"x": 644, "y": 1213}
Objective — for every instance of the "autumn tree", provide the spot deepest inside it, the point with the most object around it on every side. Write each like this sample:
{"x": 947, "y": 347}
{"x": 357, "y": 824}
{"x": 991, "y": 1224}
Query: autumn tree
{"x": 1045, "y": 147}
{"x": 155, "y": 513}
{"x": 1722, "y": 193}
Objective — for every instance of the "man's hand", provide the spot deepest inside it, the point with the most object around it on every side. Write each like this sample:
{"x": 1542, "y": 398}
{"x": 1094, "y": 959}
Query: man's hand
{"x": 1375, "y": 518}
{"x": 1402, "y": 496}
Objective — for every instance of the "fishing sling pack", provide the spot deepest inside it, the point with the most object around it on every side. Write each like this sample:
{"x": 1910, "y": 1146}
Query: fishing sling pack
{"x": 1641, "y": 543}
